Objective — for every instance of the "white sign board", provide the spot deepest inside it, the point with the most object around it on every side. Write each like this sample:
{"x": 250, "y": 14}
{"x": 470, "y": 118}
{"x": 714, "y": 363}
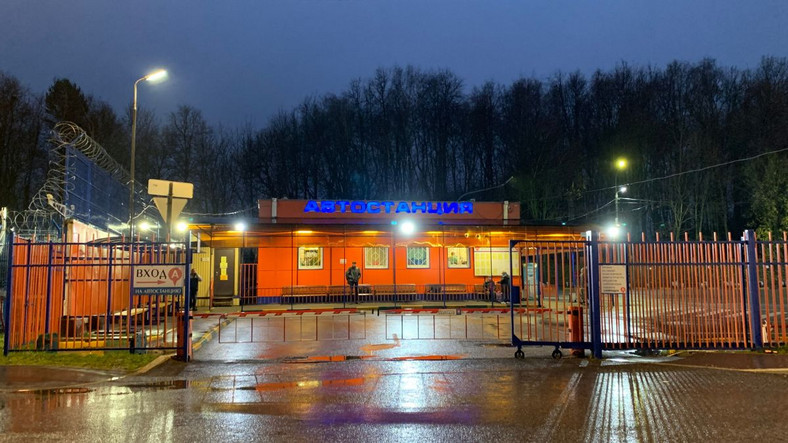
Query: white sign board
{"x": 162, "y": 188}
{"x": 612, "y": 279}
{"x": 159, "y": 279}
{"x": 494, "y": 261}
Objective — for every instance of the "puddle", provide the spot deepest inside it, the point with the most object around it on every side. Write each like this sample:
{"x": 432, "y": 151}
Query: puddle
{"x": 163, "y": 385}
{"x": 55, "y": 391}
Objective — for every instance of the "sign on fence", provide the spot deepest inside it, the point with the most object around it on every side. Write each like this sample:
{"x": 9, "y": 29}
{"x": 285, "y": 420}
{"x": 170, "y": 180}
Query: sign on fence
{"x": 159, "y": 279}
{"x": 612, "y": 279}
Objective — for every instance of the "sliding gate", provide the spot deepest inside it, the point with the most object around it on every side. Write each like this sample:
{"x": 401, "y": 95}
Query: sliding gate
{"x": 720, "y": 294}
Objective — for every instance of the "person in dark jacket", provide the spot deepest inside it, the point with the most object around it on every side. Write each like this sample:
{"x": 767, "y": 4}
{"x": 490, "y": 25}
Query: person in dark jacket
{"x": 489, "y": 286}
{"x": 353, "y": 275}
{"x": 505, "y": 286}
{"x": 194, "y": 284}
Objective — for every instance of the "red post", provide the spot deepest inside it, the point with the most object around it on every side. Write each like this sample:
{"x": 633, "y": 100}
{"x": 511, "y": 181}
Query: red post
{"x": 576, "y": 329}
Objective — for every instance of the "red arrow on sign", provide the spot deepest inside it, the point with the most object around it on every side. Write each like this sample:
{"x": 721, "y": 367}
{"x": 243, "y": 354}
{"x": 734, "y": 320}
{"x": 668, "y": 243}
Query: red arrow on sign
{"x": 158, "y": 282}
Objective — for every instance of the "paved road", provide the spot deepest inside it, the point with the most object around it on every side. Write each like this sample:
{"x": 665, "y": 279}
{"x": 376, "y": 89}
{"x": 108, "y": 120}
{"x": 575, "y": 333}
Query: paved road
{"x": 411, "y": 390}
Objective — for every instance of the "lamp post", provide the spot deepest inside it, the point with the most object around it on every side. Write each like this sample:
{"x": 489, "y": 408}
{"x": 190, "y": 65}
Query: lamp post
{"x": 619, "y": 190}
{"x": 153, "y": 76}
{"x": 621, "y": 164}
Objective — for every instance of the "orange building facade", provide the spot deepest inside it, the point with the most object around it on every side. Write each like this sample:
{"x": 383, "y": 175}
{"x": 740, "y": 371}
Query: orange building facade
{"x": 302, "y": 248}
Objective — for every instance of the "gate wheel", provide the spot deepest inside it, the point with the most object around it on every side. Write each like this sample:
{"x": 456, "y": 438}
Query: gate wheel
{"x": 557, "y": 354}
{"x": 519, "y": 354}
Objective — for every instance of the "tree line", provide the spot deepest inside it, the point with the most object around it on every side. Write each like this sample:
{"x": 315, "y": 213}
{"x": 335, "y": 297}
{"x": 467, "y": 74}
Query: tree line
{"x": 705, "y": 144}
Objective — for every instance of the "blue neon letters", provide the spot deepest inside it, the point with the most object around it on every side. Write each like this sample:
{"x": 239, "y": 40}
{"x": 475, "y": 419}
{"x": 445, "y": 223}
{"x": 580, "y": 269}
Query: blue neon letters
{"x": 387, "y": 207}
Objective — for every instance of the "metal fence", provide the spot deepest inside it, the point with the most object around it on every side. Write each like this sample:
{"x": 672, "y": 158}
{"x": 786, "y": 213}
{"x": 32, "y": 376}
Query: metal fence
{"x": 76, "y": 296}
{"x": 659, "y": 294}
{"x": 591, "y": 294}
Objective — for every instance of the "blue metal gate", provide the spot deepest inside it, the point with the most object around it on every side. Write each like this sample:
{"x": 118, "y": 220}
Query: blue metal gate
{"x": 603, "y": 295}
{"x": 78, "y": 296}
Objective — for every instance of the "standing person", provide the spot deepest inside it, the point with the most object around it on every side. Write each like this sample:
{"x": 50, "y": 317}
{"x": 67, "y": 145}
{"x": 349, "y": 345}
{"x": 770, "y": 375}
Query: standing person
{"x": 505, "y": 289}
{"x": 194, "y": 284}
{"x": 489, "y": 285}
{"x": 353, "y": 275}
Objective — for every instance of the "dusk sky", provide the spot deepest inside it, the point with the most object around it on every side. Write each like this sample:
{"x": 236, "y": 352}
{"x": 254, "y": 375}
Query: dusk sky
{"x": 242, "y": 61}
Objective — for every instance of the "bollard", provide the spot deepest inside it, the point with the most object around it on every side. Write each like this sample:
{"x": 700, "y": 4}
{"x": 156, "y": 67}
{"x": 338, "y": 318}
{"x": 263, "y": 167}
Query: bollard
{"x": 576, "y": 329}
{"x": 183, "y": 338}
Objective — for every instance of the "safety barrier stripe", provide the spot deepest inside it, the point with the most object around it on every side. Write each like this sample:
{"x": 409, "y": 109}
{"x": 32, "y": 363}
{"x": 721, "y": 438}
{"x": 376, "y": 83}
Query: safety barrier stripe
{"x": 275, "y": 313}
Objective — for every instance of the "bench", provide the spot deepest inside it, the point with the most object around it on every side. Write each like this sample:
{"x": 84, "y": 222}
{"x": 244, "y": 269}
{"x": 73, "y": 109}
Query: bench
{"x": 404, "y": 292}
{"x": 482, "y": 293}
{"x": 340, "y": 293}
{"x": 453, "y": 291}
{"x": 304, "y": 294}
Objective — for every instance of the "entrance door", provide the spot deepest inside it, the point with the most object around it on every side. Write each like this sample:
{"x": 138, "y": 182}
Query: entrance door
{"x": 223, "y": 276}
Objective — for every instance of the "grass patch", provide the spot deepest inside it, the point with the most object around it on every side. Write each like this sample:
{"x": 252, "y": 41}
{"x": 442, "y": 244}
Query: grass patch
{"x": 779, "y": 350}
{"x": 101, "y": 360}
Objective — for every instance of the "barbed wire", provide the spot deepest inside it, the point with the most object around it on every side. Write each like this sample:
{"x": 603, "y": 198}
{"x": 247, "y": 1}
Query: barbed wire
{"x": 46, "y": 211}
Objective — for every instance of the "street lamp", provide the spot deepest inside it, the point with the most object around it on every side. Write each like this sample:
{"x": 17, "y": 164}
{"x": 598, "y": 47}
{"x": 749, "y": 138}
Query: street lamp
{"x": 621, "y": 164}
{"x": 241, "y": 226}
{"x": 619, "y": 190}
{"x": 152, "y": 77}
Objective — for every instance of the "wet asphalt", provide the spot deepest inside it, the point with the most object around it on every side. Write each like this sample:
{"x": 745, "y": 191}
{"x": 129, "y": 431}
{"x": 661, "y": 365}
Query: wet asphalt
{"x": 374, "y": 388}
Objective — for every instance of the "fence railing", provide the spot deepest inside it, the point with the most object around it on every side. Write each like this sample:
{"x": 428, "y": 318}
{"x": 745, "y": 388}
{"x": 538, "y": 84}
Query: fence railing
{"x": 70, "y": 296}
{"x": 673, "y": 294}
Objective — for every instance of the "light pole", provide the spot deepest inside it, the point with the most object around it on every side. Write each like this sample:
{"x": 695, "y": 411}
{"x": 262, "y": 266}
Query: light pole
{"x": 619, "y": 190}
{"x": 621, "y": 164}
{"x": 153, "y": 76}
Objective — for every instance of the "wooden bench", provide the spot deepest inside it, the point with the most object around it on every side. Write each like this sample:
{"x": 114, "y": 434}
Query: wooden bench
{"x": 340, "y": 293}
{"x": 453, "y": 291}
{"x": 304, "y": 294}
{"x": 404, "y": 292}
{"x": 482, "y": 293}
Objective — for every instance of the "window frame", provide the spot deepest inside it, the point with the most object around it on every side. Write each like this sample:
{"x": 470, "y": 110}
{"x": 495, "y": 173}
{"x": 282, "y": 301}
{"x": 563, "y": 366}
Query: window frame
{"x": 385, "y": 257}
{"x": 408, "y": 263}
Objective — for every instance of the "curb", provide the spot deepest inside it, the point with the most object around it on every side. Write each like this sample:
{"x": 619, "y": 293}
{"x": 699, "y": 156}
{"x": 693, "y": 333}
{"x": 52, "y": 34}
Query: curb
{"x": 208, "y": 335}
{"x": 159, "y": 360}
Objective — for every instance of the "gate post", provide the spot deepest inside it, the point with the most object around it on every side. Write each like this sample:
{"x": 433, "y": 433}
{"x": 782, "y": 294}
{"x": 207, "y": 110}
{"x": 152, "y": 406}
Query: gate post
{"x": 8, "y": 292}
{"x": 592, "y": 264}
{"x": 185, "y": 350}
{"x": 47, "y": 342}
{"x": 753, "y": 290}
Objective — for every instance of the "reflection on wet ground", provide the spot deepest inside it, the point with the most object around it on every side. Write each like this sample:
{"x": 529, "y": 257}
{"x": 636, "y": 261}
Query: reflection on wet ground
{"x": 399, "y": 390}
{"x": 536, "y": 399}
{"x": 55, "y": 391}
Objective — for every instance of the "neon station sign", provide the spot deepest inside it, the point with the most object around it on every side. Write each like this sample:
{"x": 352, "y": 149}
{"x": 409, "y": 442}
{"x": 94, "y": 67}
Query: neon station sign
{"x": 387, "y": 207}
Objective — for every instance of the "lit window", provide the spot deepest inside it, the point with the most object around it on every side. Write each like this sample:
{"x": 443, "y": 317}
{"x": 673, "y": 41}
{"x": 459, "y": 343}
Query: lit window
{"x": 458, "y": 257}
{"x": 376, "y": 257}
{"x": 418, "y": 257}
{"x": 310, "y": 257}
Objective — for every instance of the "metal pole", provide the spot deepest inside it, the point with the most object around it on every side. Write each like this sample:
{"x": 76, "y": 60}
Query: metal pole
{"x": 616, "y": 203}
{"x": 131, "y": 164}
{"x": 394, "y": 262}
{"x": 592, "y": 264}
{"x": 187, "y": 314}
{"x": 512, "y": 244}
{"x": 9, "y": 294}
{"x": 753, "y": 289}
{"x": 48, "y": 310}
